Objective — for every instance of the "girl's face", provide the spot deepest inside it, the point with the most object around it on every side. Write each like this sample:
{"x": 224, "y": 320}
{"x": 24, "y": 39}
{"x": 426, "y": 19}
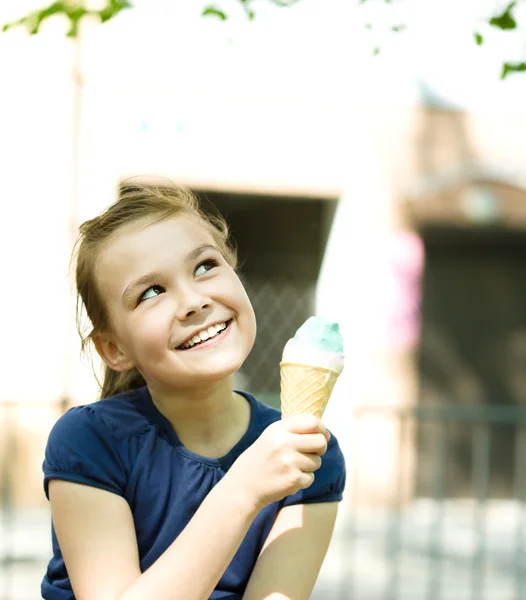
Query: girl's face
{"x": 166, "y": 286}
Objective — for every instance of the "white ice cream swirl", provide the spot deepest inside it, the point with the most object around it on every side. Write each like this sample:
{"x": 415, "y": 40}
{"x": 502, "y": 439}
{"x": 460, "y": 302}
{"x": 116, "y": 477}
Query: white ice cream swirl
{"x": 295, "y": 352}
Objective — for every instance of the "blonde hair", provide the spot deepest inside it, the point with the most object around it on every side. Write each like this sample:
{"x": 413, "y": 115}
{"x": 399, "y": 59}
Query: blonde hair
{"x": 135, "y": 202}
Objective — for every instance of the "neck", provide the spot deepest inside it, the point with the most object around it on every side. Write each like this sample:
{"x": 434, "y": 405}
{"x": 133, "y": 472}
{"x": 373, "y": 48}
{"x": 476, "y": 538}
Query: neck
{"x": 207, "y": 420}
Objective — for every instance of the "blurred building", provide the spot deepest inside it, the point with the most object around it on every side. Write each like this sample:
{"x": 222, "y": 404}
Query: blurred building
{"x": 354, "y": 190}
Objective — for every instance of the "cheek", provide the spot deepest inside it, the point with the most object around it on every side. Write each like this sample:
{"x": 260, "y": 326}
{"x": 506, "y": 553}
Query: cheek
{"x": 253, "y": 327}
{"x": 150, "y": 332}
{"x": 248, "y": 315}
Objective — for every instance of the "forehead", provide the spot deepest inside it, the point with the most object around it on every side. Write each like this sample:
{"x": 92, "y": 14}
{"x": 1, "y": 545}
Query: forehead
{"x": 143, "y": 246}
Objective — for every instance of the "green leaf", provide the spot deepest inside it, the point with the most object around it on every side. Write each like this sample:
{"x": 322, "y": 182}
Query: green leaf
{"x": 73, "y": 30}
{"x": 74, "y": 12}
{"x": 376, "y": 51}
{"x": 113, "y": 8}
{"x": 52, "y": 9}
{"x": 508, "y": 68}
{"x": 284, "y": 3}
{"x": 398, "y": 28}
{"x": 505, "y": 21}
{"x": 248, "y": 11}
{"x": 479, "y": 39}
{"x": 368, "y": 26}
{"x": 12, "y": 25}
{"x": 214, "y": 12}
{"x": 34, "y": 19}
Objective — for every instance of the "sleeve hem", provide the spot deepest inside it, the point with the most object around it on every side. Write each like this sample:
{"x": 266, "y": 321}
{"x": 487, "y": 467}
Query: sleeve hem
{"x": 78, "y": 479}
{"x": 320, "y": 500}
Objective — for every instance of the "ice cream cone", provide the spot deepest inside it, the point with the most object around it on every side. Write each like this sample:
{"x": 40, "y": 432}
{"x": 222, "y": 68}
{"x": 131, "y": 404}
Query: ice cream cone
{"x": 305, "y": 389}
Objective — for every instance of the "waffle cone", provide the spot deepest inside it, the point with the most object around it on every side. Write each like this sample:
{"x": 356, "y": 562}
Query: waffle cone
{"x": 305, "y": 389}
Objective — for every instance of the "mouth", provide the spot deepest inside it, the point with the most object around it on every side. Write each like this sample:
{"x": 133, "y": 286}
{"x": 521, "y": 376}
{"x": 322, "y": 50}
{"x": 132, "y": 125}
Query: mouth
{"x": 206, "y": 337}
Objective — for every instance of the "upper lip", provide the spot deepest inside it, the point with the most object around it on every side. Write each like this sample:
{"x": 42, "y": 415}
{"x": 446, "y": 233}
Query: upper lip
{"x": 202, "y": 328}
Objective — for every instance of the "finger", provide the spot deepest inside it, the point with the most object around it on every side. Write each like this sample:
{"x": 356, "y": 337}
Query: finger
{"x": 311, "y": 443}
{"x": 306, "y": 480}
{"x": 308, "y": 463}
{"x": 305, "y": 424}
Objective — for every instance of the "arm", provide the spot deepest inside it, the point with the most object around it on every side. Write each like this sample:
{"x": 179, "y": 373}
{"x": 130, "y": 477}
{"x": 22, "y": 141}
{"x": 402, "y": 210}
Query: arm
{"x": 96, "y": 534}
{"x": 290, "y": 561}
{"x": 95, "y": 528}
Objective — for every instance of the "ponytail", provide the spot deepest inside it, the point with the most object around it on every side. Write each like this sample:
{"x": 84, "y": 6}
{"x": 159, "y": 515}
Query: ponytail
{"x": 116, "y": 382}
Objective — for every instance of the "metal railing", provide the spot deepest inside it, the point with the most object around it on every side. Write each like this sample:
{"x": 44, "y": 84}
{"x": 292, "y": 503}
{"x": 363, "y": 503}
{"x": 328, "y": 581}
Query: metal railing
{"x": 440, "y": 546}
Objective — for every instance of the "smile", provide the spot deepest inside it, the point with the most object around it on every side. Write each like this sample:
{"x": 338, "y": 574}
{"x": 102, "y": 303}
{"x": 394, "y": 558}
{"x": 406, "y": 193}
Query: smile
{"x": 206, "y": 335}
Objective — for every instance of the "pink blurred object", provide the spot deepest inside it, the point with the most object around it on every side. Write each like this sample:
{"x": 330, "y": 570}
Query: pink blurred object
{"x": 406, "y": 259}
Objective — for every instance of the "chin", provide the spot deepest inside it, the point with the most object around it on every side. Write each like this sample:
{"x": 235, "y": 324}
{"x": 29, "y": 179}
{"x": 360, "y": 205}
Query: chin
{"x": 222, "y": 370}
{"x": 207, "y": 371}
{"x": 203, "y": 379}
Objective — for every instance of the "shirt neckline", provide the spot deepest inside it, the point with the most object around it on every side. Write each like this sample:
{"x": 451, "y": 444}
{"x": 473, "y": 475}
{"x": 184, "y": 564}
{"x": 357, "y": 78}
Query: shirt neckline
{"x": 224, "y": 461}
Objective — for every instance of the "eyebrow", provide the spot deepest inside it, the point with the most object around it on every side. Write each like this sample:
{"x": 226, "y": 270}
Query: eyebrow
{"x": 196, "y": 252}
{"x": 150, "y": 278}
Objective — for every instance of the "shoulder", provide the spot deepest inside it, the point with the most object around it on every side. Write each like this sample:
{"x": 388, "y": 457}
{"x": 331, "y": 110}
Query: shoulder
{"x": 119, "y": 416}
{"x": 92, "y": 443}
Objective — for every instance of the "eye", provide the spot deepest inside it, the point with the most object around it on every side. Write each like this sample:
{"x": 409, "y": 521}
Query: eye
{"x": 205, "y": 266}
{"x": 151, "y": 292}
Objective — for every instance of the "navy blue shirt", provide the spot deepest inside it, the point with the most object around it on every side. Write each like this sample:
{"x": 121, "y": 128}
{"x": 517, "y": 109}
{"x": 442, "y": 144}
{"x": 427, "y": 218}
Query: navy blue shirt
{"x": 126, "y": 446}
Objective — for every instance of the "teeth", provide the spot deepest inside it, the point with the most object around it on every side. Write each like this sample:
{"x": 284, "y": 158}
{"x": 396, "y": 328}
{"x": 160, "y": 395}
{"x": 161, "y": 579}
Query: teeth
{"x": 204, "y": 335}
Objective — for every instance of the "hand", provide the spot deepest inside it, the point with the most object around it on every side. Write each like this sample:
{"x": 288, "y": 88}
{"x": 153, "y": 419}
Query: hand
{"x": 282, "y": 461}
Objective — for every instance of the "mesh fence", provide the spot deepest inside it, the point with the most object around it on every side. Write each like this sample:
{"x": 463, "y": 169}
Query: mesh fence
{"x": 281, "y": 306}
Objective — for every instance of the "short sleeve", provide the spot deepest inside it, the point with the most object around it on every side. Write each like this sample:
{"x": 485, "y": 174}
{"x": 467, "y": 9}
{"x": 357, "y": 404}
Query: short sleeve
{"x": 329, "y": 481}
{"x": 81, "y": 449}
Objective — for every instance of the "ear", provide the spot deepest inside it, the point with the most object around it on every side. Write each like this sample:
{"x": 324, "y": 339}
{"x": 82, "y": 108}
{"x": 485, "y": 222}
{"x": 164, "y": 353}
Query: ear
{"x": 111, "y": 353}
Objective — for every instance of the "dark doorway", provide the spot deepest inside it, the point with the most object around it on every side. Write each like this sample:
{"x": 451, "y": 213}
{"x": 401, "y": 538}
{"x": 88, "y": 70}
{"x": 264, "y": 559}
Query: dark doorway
{"x": 473, "y": 348}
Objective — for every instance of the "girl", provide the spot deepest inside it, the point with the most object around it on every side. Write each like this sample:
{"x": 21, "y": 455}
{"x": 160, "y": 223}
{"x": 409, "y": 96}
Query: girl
{"x": 174, "y": 486}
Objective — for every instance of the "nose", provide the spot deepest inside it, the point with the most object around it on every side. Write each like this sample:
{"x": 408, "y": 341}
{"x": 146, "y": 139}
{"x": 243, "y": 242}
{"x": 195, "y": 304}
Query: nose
{"x": 191, "y": 301}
